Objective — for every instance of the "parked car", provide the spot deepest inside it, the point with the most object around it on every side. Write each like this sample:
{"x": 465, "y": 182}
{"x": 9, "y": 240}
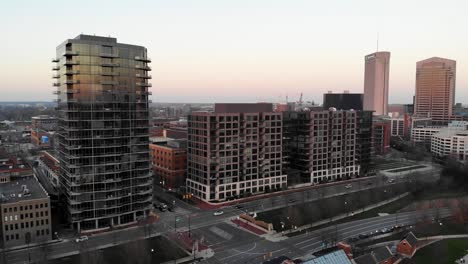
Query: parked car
{"x": 348, "y": 186}
{"x": 391, "y": 181}
{"x": 171, "y": 208}
{"x": 81, "y": 239}
{"x": 217, "y": 213}
{"x": 238, "y": 206}
{"x": 163, "y": 207}
{"x": 385, "y": 230}
{"x": 363, "y": 236}
{"x": 292, "y": 201}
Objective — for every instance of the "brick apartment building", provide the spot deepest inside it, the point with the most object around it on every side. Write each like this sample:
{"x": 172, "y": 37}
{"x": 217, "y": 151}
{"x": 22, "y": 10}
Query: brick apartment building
{"x": 321, "y": 145}
{"x": 235, "y": 150}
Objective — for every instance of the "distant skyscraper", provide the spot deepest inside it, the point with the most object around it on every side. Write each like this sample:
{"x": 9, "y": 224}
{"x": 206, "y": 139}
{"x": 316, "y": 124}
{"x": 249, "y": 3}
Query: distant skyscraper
{"x": 103, "y": 131}
{"x": 377, "y": 68}
{"x": 435, "y": 88}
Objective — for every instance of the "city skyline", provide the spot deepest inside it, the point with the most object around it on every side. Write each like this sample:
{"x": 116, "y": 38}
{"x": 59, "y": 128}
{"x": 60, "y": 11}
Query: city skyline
{"x": 207, "y": 51}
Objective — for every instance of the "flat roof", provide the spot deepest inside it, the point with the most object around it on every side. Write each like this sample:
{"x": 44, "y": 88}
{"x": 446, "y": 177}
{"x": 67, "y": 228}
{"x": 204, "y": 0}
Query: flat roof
{"x": 12, "y": 192}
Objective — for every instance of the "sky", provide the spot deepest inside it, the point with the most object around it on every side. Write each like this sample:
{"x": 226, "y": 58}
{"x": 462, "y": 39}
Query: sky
{"x": 240, "y": 50}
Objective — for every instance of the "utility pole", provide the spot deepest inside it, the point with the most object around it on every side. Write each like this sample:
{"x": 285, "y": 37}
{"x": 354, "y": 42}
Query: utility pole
{"x": 189, "y": 230}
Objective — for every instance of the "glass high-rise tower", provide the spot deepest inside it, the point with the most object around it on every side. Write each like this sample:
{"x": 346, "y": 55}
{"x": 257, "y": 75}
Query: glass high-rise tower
{"x": 102, "y": 90}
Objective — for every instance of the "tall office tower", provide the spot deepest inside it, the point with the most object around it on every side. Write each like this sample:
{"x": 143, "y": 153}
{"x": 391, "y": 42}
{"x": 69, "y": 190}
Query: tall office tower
{"x": 234, "y": 151}
{"x": 343, "y": 101}
{"x": 435, "y": 88}
{"x": 322, "y": 144}
{"x": 377, "y": 68}
{"x": 103, "y": 132}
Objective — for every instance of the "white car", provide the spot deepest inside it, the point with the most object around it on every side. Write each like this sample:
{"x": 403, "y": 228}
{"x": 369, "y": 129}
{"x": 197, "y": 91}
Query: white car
{"x": 348, "y": 186}
{"x": 81, "y": 239}
{"x": 218, "y": 213}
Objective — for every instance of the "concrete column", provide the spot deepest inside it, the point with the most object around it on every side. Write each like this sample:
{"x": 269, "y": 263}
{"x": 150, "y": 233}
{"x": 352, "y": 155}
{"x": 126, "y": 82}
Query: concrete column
{"x": 78, "y": 227}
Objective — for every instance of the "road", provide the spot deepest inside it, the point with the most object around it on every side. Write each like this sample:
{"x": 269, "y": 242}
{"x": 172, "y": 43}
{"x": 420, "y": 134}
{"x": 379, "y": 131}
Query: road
{"x": 231, "y": 248}
{"x": 241, "y": 249}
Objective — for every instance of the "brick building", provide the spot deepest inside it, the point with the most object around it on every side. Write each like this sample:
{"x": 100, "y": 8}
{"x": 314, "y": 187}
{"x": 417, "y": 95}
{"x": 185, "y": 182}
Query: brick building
{"x": 381, "y": 136}
{"x": 42, "y": 130}
{"x": 236, "y": 150}
{"x": 169, "y": 161}
{"x": 321, "y": 145}
{"x": 24, "y": 209}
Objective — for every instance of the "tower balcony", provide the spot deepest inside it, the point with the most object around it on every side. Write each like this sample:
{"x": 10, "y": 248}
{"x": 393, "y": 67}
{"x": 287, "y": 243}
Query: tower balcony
{"x": 108, "y": 55}
{"x": 143, "y": 76}
{"x": 70, "y": 53}
{"x": 143, "y": 67}
{"x": 144, "y": 84}
{"x": 139, "y": 58}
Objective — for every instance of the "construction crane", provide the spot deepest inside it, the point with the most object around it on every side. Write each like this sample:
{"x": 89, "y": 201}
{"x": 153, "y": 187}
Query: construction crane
{"x": 299, "y": 103}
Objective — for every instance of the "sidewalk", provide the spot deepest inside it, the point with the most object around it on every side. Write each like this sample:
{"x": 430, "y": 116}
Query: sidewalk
{"x": 204, "y": 205}
{"x": 280, "y": 236}
{"x": 248, "y": 226}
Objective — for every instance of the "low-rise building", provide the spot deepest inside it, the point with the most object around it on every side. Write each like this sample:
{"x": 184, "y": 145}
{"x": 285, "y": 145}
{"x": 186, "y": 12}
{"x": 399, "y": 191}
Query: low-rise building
{"x": 169, "y": 160}
{"x": 381, "y": 135}
{"x": 13, "y": 166}
{"x": 24, "y": 212}
{"x": 42, "y": 131}
{"x": 49, "y": 166}
{"x": 401, "y": 125}
{"x": 408, "y": 245}
{"x": 450, "y": 143}
{"x": 423, "y": 134}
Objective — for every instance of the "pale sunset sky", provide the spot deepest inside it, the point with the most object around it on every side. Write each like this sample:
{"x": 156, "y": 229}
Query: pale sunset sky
{"x": 239, "y": 50}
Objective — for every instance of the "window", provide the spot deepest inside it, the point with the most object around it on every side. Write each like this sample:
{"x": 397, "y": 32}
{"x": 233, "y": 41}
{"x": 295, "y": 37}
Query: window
{"x": 37, "y": 233}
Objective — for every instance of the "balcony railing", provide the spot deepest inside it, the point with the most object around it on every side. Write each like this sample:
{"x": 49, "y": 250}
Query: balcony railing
{"x": 109, "y": 82}
{"x": 143, "y": 76}
{"x": 139, "y": 58}
{"x": 109, "y": 64}
{"x": 71, "y": 62}
{"x": 71, "y": 53}
{"x": 144, "y": 84}
{"x": 109, "y": 55}
{"x": 55, "y": 76}
{"x": 72, "y": 81}
{"x": 56, "y": 84}
{"x": 55, "y": 68}
{"x": 56, "y": 92}
{"x": 72, "y": 72}
{"x": 142, "y": 67}
{"x": 55, "y": 60}
{"x": 109, "y": 73}
{"x": 72, "y": 91}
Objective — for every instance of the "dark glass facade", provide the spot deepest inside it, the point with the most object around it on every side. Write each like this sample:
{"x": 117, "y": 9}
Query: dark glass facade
{"x": 103, "y": 130}
{"x": 343, "y": 101}
{"x": 364, "y": 149}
